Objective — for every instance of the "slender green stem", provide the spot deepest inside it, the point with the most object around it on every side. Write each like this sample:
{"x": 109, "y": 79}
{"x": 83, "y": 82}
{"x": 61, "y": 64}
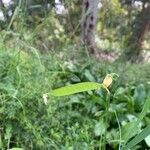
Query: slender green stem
{"x": 106, "y": 118}
{"x": 119, "y": 129}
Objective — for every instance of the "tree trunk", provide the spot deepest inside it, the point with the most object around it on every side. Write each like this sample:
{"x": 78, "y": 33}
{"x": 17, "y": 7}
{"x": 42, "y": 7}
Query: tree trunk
{"x": 140, "y": 27}
{"x": 89, "y": 17}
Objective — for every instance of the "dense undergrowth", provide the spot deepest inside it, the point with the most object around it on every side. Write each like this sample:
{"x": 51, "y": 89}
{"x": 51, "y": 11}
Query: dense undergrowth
{"x": 67, "y": 123}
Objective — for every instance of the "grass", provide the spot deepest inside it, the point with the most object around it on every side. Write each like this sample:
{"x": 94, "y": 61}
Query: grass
{"x": 73, "y": 122}
{"x": 85, "y": 121}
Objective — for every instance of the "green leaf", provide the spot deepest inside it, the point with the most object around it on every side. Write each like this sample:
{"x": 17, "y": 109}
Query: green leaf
{"x": 88, "y": 75}
{"x": 138, "y": 138}
{"x": 139, "y": 96}
{"x": 75, "y": 78}
{"x": 145, "y": 109}
{"x": 75, "y": 88}
{"x": 129, "y": 130}
{"x": 100, "y": 128}
{"x": 16, "y": 149}
{"x": 120, "y": 91}
{"x": 134, "y": 126}
{"x": 147, "y": 140}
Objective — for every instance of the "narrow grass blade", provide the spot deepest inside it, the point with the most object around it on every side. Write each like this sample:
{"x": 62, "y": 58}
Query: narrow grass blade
{"x": 75, "y": 88}
{"x": 138, "y": 138}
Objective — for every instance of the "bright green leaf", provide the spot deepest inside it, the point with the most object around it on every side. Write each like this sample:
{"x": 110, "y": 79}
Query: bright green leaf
{"x": 16, "y": 149}
{"x": 75, "y": 88}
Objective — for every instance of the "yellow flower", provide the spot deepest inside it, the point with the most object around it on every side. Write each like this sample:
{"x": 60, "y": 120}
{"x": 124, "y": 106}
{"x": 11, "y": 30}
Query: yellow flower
{"x": 107, "y": 81}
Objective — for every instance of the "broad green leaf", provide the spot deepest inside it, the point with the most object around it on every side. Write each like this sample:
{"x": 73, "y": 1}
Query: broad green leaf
{"x": 134, "y": 126}
{"x": 75, "y": 78}
{"x": 145, "y": 109}
{"x": 100, "y": 128}
{"x": 75, "y": 88}
{"x": 129, "y": 130}
{"x": 88, "y": 75}
{"x": 139, "y": 96}
{"x": 147, "y": 140}
{"x": 120, "y": 91}
{"x": 138, "y": 138}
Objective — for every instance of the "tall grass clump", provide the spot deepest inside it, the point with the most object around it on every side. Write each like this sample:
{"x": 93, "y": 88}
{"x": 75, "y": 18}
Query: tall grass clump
{"x": 23, "y": 79}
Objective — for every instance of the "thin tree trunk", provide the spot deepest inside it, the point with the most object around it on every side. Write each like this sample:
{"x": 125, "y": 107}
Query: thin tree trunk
{"x": 140, "y": 28}
{"x": 89, "y": 18}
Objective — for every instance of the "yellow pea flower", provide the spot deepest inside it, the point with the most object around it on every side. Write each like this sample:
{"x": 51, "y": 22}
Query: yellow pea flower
{"x": 107, "y": 81}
